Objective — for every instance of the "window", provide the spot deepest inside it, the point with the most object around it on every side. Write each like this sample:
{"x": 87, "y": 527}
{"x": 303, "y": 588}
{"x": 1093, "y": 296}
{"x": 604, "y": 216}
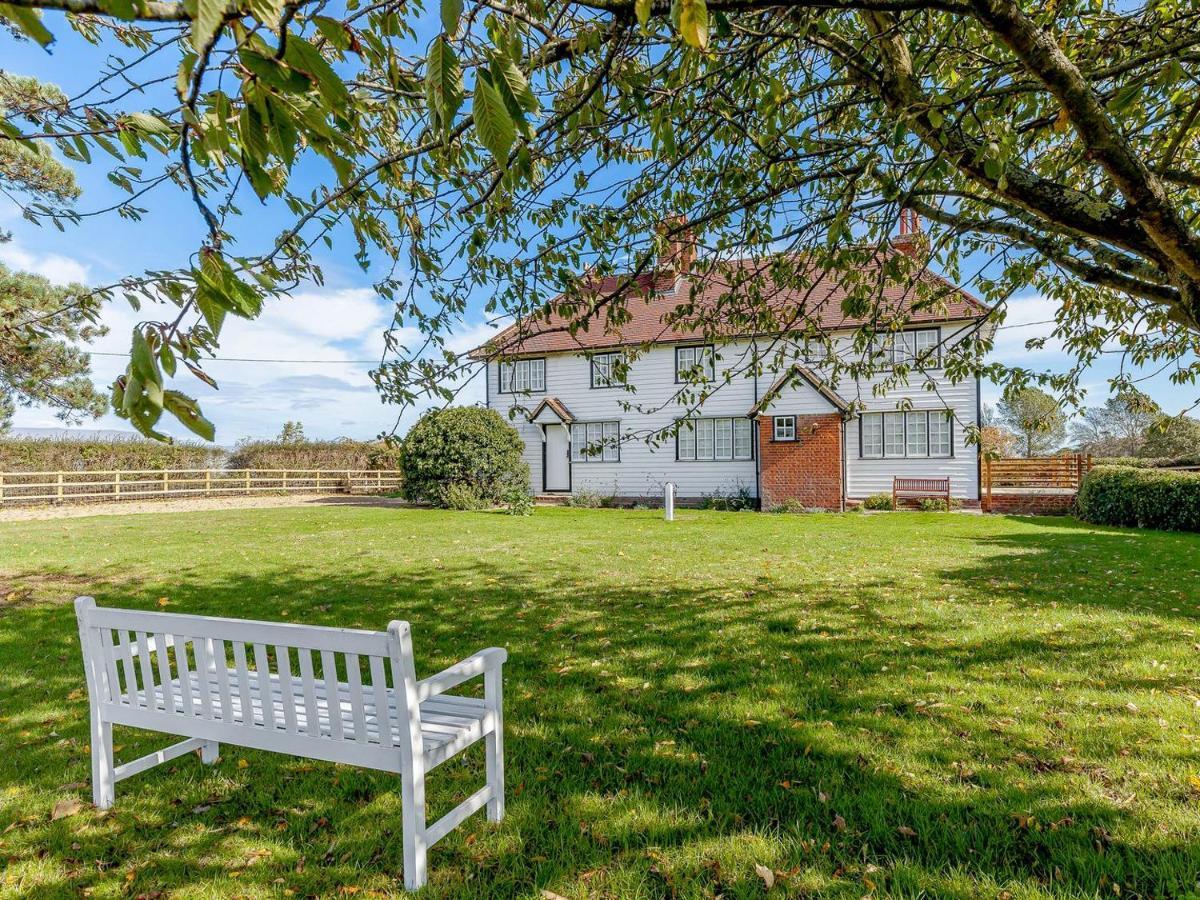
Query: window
{"x": 910, "y": 347}
{"x": 785, "y": 428}
{"x": 919, "y": 433}
{"x": 523, "y": 376}
{"x": 596, "y": 442}
{"x": 604, "y": 367}
{"x": 693, "y": 361}
{"x": 714, "y": 439}
{"x": 893, "y": 434}
{"x": 743, "y": 447}
{"x": 939, "y": 434}
{"x": 872, "y": 436}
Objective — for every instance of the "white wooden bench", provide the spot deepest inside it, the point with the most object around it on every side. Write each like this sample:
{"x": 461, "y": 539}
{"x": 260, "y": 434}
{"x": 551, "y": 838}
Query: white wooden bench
{"x": 320, "y": 693}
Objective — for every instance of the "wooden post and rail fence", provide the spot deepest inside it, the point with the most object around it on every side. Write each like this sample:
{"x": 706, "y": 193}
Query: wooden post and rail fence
{"x": 1038, "y": 474}
{"x": 157, "y": 484}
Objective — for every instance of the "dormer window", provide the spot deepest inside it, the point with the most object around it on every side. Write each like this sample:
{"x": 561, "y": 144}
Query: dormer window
{"x": 523, "y": 376}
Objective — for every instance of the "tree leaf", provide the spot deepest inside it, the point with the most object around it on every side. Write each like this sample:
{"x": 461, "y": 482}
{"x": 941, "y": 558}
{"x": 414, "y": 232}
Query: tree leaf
{"x": 443, "y": 84}
{"x": 693, "y": 23}
{"x": 451, "y": 12}
{"x": 493, "y": 124}
{"x": 507, "y": 74}
{"x": 145, "y": 366}
{"x": 767, "y": 876}
{"x": 210, "y": 16}
{"x": 187, "y": 411}
{"x": 303, "y": 56}
{"x": 28, "y": 21}
{"x": 642, "y": 9}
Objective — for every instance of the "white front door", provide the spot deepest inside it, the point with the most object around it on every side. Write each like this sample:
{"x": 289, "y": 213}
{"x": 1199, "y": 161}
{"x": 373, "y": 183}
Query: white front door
{"x": 558, "y": 459}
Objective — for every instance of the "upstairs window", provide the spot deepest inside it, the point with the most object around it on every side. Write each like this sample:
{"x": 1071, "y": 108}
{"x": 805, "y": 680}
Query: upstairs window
{"x": 596, "y": 442}
{"x": 915, "y": 347}
{"x": 691, "y": 362}
{"x": 604, "y": 370}
{"x": 523, "y": 376}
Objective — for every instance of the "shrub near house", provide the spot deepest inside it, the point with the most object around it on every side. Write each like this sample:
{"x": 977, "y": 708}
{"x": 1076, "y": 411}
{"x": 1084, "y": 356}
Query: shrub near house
{"x": 465, "y": 458}
{"x": 1147, "y": 498}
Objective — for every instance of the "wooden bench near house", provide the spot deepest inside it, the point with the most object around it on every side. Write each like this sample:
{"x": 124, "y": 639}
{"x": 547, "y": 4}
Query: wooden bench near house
{"x": 920, "y": 489}
{"x": 256, "y": 684}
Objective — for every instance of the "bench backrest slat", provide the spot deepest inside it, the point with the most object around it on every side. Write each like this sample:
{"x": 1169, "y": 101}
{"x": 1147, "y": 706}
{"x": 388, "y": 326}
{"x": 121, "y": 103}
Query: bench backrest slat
{"x": 263, "y": 666}
{"x": 255, "y": 674}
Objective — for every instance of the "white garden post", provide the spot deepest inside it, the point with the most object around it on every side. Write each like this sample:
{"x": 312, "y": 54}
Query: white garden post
{"x": 669, "y": 501}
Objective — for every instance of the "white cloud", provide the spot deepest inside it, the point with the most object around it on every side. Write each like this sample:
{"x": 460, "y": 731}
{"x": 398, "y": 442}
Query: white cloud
{"x": 54, "y": 266}
{"x": 1027, "y": 317}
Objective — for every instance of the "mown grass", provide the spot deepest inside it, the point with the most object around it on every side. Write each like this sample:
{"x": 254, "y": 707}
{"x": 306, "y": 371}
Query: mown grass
{"x": 903, "y": 705}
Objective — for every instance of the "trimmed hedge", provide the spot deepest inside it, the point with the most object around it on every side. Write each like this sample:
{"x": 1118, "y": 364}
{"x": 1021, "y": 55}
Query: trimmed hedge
{"x": 1146, "y": 498}
{"x": 340, "y": 454}
{"x": 65, "y": 455}
{"x": 1148, "y": 462}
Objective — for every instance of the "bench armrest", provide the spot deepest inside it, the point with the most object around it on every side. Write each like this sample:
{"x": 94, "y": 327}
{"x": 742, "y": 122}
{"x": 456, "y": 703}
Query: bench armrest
{"x": 481, "y": 663}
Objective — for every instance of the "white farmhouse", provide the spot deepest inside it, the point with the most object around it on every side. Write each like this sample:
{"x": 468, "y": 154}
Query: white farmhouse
{"x": 611, "y": 411}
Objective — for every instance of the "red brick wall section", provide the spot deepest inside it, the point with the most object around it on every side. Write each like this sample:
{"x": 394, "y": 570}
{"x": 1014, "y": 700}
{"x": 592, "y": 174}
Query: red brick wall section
{"x": 1032, "y": 504}
{"x": 808, "y": 469}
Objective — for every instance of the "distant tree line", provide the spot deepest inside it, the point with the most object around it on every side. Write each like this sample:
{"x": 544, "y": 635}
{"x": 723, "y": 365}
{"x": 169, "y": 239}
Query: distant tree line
{"x": 1031, "y": 422}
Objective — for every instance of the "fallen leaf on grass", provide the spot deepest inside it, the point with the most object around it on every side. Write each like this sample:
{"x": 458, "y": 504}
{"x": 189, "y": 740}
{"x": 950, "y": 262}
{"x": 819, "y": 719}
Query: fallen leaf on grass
{"x": 905, "y": 831}
{"x": 839, "y": 824}
{"x": 550, "y": 895}
{"x": 767, "y": 876}
{"x": 64, "y": 808}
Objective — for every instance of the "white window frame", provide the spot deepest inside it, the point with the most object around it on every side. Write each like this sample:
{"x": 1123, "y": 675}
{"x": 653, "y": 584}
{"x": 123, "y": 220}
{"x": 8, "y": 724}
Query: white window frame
{"x": 523, "y": 376}
{"x": 904, "y": 347}
{"x": 783, "y": 428}
{"x": 870, "y": 436}
{"x": 692, "y": 355}
{"x": 910, "y": 435}
{"x": 714, "y": 439}
{"x": 586, "y": 435}
{"x": 607, "y": 362}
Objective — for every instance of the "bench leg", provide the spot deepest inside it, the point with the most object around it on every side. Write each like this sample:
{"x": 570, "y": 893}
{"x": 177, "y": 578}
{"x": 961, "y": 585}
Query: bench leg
{"x": 210, "y": 751}
{"x": 412, "y": 801}
{"x": 494, "y": 743}
{"x": 104, "y": 778}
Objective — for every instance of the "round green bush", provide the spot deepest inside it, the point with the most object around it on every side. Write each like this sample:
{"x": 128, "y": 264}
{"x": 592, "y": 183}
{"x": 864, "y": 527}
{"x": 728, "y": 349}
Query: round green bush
{"x": 460, "y": 452}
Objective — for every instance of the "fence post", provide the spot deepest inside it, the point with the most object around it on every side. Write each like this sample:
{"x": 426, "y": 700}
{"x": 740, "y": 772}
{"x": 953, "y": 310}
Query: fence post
{"x": 349, "y": 483}
{"x": 247, "y": 481}
{"x": 117, "y": 486}
{"x": 59, "y": 485}
{"x": 285, "y": 479}
{"x": 207, "y": 482}
{"x": 1, "y": 488}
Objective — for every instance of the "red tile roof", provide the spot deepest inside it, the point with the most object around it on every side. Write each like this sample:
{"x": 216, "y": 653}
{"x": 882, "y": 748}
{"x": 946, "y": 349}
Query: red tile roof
{"x": 652, "y": 298}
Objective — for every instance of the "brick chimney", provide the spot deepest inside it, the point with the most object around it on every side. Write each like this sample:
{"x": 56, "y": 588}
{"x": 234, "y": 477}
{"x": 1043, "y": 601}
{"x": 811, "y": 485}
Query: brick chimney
{"x": 678, "y": 252}
{"x": 911, "y": 241}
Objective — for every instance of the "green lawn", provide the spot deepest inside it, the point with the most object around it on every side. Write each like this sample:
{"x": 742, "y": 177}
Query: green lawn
{"x": 905, "y": 705}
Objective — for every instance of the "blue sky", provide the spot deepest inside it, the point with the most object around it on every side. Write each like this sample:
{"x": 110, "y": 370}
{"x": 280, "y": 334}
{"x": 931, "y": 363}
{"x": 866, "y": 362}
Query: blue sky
{"x": 328, "y": 336}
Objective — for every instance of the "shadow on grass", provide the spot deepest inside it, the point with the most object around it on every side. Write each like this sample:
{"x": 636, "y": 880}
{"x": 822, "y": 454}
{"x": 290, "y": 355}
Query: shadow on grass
{"x": 662, "y": 738}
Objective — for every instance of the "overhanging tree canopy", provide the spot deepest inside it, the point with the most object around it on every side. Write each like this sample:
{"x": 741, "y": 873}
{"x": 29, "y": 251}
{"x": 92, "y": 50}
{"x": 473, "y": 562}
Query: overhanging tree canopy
{"x": 498, "y": 148}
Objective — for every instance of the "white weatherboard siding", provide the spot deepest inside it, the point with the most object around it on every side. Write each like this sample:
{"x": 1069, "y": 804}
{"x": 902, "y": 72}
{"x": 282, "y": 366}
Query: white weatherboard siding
{"x": 873, "y": 476}
{"x": 643, "y": 470}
